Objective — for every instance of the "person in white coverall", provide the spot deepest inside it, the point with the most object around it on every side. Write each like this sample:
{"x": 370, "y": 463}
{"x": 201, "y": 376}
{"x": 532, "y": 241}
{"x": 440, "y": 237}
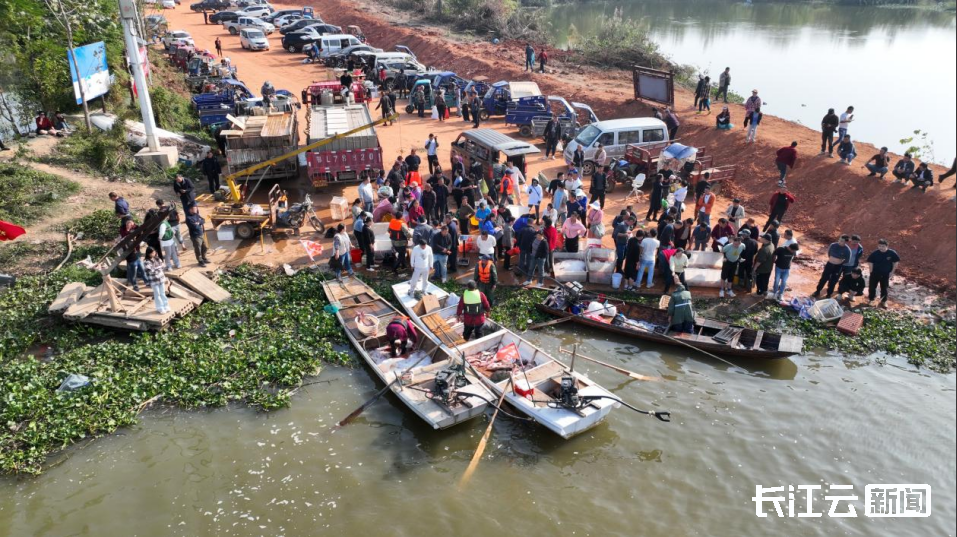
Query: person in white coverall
{"x": 421, "y": 264}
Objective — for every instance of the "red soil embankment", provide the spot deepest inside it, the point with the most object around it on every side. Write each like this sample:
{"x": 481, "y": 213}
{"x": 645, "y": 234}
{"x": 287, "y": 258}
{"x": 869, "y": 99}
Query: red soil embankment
{"x": 831, "y": 198}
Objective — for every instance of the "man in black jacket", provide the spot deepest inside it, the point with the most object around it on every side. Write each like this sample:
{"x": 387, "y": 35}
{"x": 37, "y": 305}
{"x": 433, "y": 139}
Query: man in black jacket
{"x": 526, "y": 237}
{"x": 828, "y": 126}
{"x": 211, "y": 169}
{"x": 599, "y": 184}
{"x": 413, "y": 161}
{"x": 184, "y": 188}
{"x": 552, "y": 134}
{"x": 197, "y": 233}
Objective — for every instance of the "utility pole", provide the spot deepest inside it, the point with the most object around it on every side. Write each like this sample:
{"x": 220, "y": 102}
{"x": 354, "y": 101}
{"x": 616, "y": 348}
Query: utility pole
{"x": 128, "y": 17}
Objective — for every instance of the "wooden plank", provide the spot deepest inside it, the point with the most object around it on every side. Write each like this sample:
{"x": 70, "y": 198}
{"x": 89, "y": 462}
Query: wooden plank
{"x": 757, "y": 340}
{"x": 88, "y": 304}
{"x": 68, "y": 296}
{"x": 427, "y": 305}
{"x": 114, "y": 322}
{"x": 179, "y": 291}
{"x": 195, "y": 281}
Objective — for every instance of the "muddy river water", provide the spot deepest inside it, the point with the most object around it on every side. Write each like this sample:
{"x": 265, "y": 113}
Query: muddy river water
{"x": 807, "y": 57}
{"x": 814, "y": 420}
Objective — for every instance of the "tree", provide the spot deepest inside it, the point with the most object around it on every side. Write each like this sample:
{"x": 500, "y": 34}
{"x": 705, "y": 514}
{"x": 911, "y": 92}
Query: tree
{"x": 66, "y": 17}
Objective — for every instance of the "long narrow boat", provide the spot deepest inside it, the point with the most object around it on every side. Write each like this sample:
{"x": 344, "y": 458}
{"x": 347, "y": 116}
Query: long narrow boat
{"x": 547, "y": 382}
{"x": 430, "y": 387}
{"x": 651, "y": 324}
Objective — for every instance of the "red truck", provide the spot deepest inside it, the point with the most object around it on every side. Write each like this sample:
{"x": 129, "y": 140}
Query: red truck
{"x": 343, "y": 160}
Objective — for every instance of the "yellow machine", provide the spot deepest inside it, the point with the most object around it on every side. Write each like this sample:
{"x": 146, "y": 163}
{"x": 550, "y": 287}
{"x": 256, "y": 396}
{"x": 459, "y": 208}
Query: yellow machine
{"x": 250, "y": 217}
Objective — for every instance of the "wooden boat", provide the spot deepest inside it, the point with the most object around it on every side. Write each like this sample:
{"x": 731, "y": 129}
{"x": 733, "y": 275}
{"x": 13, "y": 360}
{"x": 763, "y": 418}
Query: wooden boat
{"x": 541, "y": 373}
{"x": 419, "y": 391}
{"x": 709, "y": 335}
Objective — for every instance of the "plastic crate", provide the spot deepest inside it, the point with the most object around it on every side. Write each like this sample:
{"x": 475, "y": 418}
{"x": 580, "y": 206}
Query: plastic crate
{"x": 826, "y": 310}
{"x": 340, "y": 208}
{"x": 850, "y": 323}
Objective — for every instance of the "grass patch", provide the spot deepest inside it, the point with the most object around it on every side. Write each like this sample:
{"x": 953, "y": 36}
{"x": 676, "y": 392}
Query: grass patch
{"x": 922, "y": 344}
{"x": 100, "y": 225}
{"x": 28, "y": 194}
{"x": 254, "y": 349}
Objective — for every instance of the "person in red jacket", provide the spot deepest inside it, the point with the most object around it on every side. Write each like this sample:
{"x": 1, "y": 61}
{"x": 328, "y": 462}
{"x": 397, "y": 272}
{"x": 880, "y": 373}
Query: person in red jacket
{"x": 721, "y": 230}
{"x": 552, "y": 236}
{"x": 780, "y": 202}
{"x": 786, "y": 158}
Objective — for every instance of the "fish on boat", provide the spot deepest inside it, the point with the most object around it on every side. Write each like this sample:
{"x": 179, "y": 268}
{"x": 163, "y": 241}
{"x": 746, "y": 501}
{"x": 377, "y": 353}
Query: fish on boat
{"x": 435, "y": 384}
{"x": 566, "y": 402}
{"x": 651, "y": 324}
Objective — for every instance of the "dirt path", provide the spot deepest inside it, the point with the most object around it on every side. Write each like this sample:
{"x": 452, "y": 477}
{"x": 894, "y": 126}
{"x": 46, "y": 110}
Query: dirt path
{"x": 93, "y": 194}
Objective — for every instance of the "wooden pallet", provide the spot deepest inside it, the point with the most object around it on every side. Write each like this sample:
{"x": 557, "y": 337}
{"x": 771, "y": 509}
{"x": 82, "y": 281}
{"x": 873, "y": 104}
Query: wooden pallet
{"x": 69, "y": 295}
{"x": 195, "y": 281}
{"x": 438, "y": 326}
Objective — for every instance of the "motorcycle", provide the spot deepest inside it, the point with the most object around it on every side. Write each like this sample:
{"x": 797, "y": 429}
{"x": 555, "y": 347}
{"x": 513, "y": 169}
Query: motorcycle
{"x": 621, "y": 172}
{"x": 295, "y": 216}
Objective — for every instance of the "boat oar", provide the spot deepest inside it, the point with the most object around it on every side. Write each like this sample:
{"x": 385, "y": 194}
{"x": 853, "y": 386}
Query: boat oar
{"x": 355, "y": 413}
{"x": 550, "y": 323}
{"x": 473, "y": 464}
{"x": 621, "y": 370}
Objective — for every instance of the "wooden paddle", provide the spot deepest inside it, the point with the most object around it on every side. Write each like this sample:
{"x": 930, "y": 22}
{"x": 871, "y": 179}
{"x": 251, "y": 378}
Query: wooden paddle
{"x": 355, "y": 413}
{"x": 550, "y": 323}
{"x": 473, "y": 464}
{"x": 621, "y": 370}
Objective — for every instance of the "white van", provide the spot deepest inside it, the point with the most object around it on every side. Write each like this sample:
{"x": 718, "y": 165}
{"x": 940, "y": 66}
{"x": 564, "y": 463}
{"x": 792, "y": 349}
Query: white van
{"x": 614, "y": 135}
{"x": 329, "y": 44}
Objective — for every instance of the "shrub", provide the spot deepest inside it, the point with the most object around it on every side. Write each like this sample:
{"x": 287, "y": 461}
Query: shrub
{"x": 28, "y": 194}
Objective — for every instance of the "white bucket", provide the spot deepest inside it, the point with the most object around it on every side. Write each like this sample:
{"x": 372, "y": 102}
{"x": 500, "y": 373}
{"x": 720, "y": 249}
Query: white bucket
{"x": 616, "y": 280}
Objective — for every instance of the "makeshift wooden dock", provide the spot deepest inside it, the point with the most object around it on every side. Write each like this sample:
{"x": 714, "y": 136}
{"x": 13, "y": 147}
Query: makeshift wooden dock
{"x": 116, "y": 305}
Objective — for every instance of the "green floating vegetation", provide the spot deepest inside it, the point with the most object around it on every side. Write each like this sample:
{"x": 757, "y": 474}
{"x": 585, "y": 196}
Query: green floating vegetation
{"x": 254, "y": 349}
{"x": 100, "y": 225}
{"x": 932, "y": 345}
{"x": 28, "y": 194}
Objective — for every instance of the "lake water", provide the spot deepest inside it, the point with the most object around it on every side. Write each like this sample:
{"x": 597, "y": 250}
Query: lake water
{"x": 813, "y": 420}
{"x": 897, "y": 66}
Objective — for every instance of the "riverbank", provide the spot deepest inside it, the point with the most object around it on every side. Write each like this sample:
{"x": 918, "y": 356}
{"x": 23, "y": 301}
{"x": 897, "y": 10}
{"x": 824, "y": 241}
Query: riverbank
{"x": 831, "y": 198}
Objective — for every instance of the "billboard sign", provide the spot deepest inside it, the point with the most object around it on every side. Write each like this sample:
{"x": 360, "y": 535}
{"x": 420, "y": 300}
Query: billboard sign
{"x": 94, "y": 73}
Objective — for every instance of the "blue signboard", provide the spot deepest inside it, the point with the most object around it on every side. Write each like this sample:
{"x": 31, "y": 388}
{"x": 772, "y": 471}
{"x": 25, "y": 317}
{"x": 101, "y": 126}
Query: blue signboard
{"x": 91, "y": 60}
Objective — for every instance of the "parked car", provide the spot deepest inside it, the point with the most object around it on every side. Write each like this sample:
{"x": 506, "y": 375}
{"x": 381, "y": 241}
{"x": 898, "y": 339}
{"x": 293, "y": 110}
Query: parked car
{"x": 180, "y": 37}
{"x": 223, "y": 17}
{"x": 253, "y": 39}
{"x": 488, "y": 146}
{"x": 249, "y": 22}
{"x": 296, "y": 41}
{"x": 339, "y": 59}
{"x": 169, "y": 4}
{"x": 210, "y": 5}
{"x": 300, "y": 24}
{"x": 333, "y": 43}
{"x": 256, "y": 11}
{"x": 284, "y": 20}
{"x": 271, "y": 18}
{"x": 614, "y": 135}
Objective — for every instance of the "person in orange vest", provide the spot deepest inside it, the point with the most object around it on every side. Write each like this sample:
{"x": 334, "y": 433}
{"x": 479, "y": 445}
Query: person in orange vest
{"x": 487, "y": 278}
{"x": 506, "y": 193}
{"x": 471, "y": 311}
{"x": 399, "y": 234}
